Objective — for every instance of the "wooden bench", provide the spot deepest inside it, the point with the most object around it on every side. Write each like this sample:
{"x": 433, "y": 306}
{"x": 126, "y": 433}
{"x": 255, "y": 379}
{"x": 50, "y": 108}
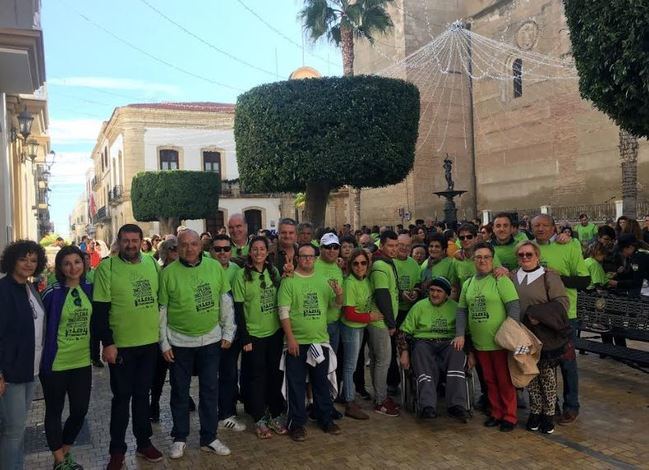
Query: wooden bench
{"x": 603, "y": 313}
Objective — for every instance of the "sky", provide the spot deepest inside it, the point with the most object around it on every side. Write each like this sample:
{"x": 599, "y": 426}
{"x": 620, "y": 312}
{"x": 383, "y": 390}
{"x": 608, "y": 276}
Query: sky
{"x": 101, "y": 55}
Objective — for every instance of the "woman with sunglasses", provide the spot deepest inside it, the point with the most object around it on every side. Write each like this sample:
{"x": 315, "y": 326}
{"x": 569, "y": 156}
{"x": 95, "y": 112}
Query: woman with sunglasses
{"x": 357, "y": 314}
{"x": 65, "y": 366}
{"x": 255, "y": 306}
{"x": 21, "y": 334}
{"x": 485, "y": 302}
{"x": 544, "y": 310}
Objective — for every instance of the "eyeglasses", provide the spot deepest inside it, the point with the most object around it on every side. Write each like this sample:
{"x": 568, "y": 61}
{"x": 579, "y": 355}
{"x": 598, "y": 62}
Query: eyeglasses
{"x": 483, "y": 258}
{"x": 76, "y": 297}
{"x": 221, "y": 249}
{"x": 333, "y": 246}
{"x": 465, "y": 237}
{"x": 306, "y": 256}
{"x": 525, "y": 254}
{"x": 359, "y": 263}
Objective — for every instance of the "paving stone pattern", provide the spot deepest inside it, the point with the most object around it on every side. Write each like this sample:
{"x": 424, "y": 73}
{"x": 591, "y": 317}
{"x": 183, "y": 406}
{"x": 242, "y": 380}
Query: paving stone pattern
{"x": 611, "y": 432}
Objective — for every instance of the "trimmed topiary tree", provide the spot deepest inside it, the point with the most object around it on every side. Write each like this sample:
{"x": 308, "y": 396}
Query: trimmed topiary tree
{"x": 318, "y": 134}
{"x": 610, "y": 44}
{"x": 171, "y": 196}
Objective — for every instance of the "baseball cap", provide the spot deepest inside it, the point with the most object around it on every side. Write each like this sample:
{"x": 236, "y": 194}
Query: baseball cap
{"x": 329, "y": 239}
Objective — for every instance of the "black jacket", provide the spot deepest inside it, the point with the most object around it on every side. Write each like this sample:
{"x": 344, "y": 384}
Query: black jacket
{"x": 17, "y": 346}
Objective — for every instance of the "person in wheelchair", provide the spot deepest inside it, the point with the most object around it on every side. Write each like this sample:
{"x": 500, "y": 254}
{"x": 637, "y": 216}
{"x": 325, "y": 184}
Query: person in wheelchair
{"x": 427, "y": 343}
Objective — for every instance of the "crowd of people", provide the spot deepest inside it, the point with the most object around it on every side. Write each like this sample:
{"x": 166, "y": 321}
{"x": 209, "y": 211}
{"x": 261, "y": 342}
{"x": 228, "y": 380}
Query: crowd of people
{"x": 280, "y": 321}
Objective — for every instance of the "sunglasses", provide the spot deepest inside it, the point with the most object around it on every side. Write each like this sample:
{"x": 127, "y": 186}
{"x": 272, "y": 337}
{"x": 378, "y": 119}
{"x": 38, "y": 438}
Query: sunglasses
{"x": 465, "y": 237}
{"x": 525, "y": 254}
{"x": 221, "y": 249}
{"x": 359, "y": 263}
{"x": 331, "y": 247}
{"x": 76, "y": 297}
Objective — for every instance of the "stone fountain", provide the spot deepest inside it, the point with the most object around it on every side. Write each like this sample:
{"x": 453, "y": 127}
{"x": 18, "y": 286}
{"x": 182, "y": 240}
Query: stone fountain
{"x": 450, "y": 211}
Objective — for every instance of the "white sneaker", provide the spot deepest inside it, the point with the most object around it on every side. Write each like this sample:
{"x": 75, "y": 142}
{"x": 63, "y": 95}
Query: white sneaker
{"x": 177, "y": 450}
{"x": 216, "y": 447}
{"x": 232, "y": 423}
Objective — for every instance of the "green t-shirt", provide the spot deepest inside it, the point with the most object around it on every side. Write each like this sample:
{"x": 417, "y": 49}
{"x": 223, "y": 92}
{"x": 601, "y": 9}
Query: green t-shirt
{"x": 597, "y": 275}
{"x": 466, "y": 268}
{"x": 444, "y": 267}
{"x": 484, "y": 299}
{"x": 408, "y": 276}
{"x": 90, "y": 276}
{"x": 358, "y": 293}
{"x": 308, "y": 298}
{"x": 330, "y": 271}
{"x": 507, "y": 254}
{"x": 520, "y": 237}
{"x": 567, "y": 260}
{"x": 383, "y": 276}
{"x": 73, "y": 336}
{"x": 193, "y": 295}
{"x": 131, "y": 289}
{"x": 231, "y": 272}
{"x": 428, "y": 321}
{"x": 259, "y": 304}
{"x": 586, "y": 234}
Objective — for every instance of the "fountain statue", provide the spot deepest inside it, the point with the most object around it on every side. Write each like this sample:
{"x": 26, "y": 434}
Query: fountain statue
{"x": 450, "y": 211}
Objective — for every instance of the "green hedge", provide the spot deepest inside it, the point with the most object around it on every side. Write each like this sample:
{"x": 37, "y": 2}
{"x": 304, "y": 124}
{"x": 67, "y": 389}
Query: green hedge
{"x": 358, "y": 130}
{"x": 610, "y": 43}
{"x": 175, "y": 193}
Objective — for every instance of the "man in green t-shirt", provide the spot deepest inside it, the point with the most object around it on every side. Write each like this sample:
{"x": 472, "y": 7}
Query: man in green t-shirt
{"x": 303, "y": 300}
{"x": 222, "y": 251}
{"x": 238, "y": 230}
{"x": 427, "y": 339}
{"x": 125, "y": 314}
{"x": 567, "y": 260}
{"x": 327, "y": 266}
{"x": 503, "y": 240}
{"x": 385, "y": 282}
{"x": 586, "y": 231}
{"x": 196, "y": 323}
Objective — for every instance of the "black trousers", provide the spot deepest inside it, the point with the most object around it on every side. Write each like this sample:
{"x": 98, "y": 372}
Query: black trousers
{"x": 261, "y": 366}
{"x": 359, "y": 373}
{"x": 94, "y": 348}
{"x": 130, "y": 382}
{"x": 76, "y": 384}
{"x": 159, "y": 378}
{"x": 229, "y": 379}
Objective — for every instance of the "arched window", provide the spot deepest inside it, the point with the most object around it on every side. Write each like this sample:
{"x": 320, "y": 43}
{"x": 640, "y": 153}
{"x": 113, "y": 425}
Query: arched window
{"x": 168, "y": 159}
{"x": 212, "y": 161}
{"x": 517, "y": 73}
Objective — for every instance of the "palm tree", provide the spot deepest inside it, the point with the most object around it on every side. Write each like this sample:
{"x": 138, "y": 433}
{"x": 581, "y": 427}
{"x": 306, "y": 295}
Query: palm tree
{"x": 341, "y": 21}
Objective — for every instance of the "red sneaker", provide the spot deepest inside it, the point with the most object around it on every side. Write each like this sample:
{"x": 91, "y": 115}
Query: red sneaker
{"x": 150, "y": 454}
{"x": 393, "y": 404}
{"x": 386, "y": 408}
{"x": 116, "y": 462}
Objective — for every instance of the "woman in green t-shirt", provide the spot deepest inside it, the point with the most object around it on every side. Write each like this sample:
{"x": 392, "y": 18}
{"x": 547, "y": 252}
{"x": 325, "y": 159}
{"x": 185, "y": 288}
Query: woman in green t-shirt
{"x": 357, "y": 313}
{"x": 486, "y": 301}
{"x": 65, "y": 364}
{"x": 255, "y": 306}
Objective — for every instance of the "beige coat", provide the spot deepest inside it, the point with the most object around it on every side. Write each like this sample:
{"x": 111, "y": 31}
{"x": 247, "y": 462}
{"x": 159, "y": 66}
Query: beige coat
{"x": 513, "y": 336}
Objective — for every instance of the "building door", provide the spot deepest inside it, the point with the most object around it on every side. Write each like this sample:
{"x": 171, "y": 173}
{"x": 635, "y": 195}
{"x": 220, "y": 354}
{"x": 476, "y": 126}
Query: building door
{"x": 253, "y": 219}
{"x": 213, "y": 224}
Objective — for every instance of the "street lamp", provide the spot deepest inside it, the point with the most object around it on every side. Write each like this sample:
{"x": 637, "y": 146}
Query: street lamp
{"x": 25, "y": 121}
{"x": 49, "y": 159}
{"x": 32, "y": 150}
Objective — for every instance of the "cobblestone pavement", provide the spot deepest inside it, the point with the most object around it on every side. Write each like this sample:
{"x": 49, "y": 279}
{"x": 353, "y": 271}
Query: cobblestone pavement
{"x": 611, "y": 432}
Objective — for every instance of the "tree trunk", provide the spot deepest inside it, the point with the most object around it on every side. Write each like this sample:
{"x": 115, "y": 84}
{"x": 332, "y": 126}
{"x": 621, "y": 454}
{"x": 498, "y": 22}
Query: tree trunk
{"x": 629, "y": 163}
{"x": 317, "y": 195}
{"x": 168, "y": 225}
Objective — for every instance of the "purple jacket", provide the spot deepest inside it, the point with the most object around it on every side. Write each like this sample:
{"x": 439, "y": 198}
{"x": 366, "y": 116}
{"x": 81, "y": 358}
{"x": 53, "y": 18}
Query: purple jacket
{"x": 53, "y": 300}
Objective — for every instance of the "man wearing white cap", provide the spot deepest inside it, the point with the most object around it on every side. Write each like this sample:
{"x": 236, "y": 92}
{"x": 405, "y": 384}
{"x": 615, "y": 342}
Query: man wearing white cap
{"x": 327, "y": 266}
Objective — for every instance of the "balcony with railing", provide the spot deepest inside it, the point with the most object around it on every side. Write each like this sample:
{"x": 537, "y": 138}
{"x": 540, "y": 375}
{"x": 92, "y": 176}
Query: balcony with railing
{"x": 102, "y": 214}
{"x": 115, "y": 195}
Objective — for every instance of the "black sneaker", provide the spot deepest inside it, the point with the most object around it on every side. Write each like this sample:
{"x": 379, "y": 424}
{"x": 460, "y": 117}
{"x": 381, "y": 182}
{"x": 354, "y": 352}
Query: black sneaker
{"x": 547, "y": 424}
{"x": 506, "y": 426}
{"x": 459, "y": 413}
{"x": 491, "y": 422}
{"x": 298, "y": 433}
{"x": 428, "y": 413}
{"x": 533, "y": 422}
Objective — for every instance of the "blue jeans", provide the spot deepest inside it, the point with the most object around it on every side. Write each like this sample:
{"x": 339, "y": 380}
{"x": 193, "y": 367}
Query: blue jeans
{"x": 333, "y": 329}
{"x": 14, "y": 407}
{"x": 296, "y": 374}
{"x": 352, "y": 339}
{"x": 570, "y": 376}
{"x": 205, "y": 360}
